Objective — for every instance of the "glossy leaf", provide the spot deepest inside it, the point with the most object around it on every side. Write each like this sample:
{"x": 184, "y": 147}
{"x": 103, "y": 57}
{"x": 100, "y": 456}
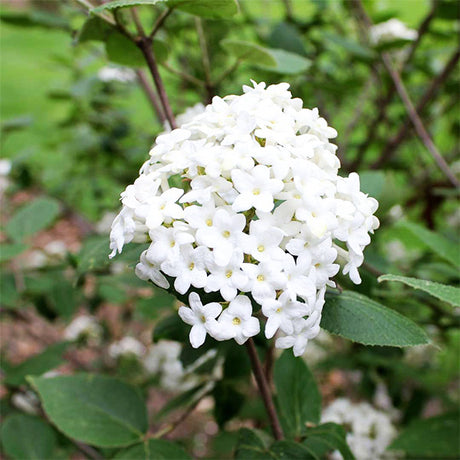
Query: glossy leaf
{"x": 326, "y": 438}
{"x": 154, "y": 449}
{"x": 122, "y": 50}
{"x": 27, "y": 437}
{"x": 290, "y": 450}
{"x": 449, "y": 294}
{"x": 251, "y": 446}
{"x": 358, "y": 318}
{"x": 94, "y": 409}
{"x": 31, "y": 218}
{"x": 298, "y": 397}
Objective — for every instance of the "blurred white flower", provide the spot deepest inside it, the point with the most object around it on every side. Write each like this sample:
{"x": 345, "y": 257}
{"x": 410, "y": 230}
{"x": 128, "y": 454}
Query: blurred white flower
{"x": 5, "y": 169}
{"x": 391, "y": 30}
{"x": 260, "y": 212}
{"x": 104, "y": 225}
{"x": 127, "y": 346}
{"x": 84, "y": 327}
{"x": 121, "y": 74}
{"x": 26, "y": 401}
{"x": 370, "y": 431}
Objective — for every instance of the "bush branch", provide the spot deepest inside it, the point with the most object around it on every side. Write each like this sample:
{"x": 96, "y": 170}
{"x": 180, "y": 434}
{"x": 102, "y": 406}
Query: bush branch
{"x": 264, "y": 390}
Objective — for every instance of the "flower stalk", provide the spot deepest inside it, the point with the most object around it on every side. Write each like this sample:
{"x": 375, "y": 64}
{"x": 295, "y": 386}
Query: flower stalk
{"x": 264, "y": 390}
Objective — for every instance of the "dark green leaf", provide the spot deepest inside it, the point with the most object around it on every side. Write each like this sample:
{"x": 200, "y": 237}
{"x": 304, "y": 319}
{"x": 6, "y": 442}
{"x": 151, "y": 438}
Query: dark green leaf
{"x": 122, "y": 50}
{"x": 326, "y": 438}
{"x": 94, "y": 29}
{"x": 9, "y": 251}
{"x": 154, "y": 449}
{"x": 287, "y": 37}
{"x": 228, "y": 402}
{"x": 171, "y": 328}
{"x": 251, "y": 446}
{"x": 27, "y": 437}
{"x": 444, "y": 248}
{"x": 448, "y": 294}
{"x": 35, "y": 18}
{"x": 123, "y": 4}
{"x": 32, "y": 218}
{"x": 448, "y": 9}
{"x": 358, "y": 318}
{"x": 352, "y": 47}
{"x": 290, "y": 450}
{"x": 94, "y": 254}
{"x": 298, "y": 397}
{"x": 94, "y": 409}
{"x": 63, "y": 298}
{"x": 38, "y": 364}
{"x": 212, "y": 9}
{"x": 435, "y": 437}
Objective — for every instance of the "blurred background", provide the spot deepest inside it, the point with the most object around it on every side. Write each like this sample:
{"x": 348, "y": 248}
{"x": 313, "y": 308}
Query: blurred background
{"x": 77, "y": 121}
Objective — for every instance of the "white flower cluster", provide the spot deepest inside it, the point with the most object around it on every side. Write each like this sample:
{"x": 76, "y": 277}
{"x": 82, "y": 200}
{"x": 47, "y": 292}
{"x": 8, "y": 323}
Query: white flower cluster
{"x": 127, "y": 346}
{"x": 84, "y": 327}
{"x": 370, "y": 431}
{"x": 260, "y": 217}
{"x": 391, "y": 30}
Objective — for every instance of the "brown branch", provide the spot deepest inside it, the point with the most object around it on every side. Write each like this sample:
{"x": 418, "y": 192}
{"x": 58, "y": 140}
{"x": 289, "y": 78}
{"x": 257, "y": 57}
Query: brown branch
{"x": 151, "y": 96}
{"x": 264, "y": 390}
{"x": 410, "y": 109}
{"x": 383, "y": 102}
{"x": 436, "y": 84}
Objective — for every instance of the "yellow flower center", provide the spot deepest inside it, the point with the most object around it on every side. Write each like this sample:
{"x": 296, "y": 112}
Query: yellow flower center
{"x": 208, "y": 222}
{"x": 256, "y": 191}
{"x": 261, "y": 248}
{"x": 225, "y": 233}
{"x": 236, "y": 321}
{"x": 191, "y": 266}
{"x": 229, "y": 274}
{"x": 261, "y": 278}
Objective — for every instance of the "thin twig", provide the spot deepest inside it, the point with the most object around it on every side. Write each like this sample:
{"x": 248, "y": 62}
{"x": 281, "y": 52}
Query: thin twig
{"x": 88, "y": 6}
{"x": 436, "y": 84}
{"x": 383, "y": 102}
{"x": 228, "y": 72}
{"x": 160, "y": 21}
{"x": 137, "y": 22}
{"x": 264, "y": 390}
{"x": 151, "y": 96}
{"x": 183, "y": 75}
{"x": 410, "y": 109}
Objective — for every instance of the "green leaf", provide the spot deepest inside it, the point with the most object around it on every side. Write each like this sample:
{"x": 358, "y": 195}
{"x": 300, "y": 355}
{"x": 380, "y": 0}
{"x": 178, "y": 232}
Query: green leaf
{"x": 16, "y": 124}
{"x": 8, "y": 293}
{"x": 435, "y": 437}
{"x": 63, "y": 298}
{"x": 228, "y": 402}
{"x": 185, "y": 399}
{"x": 358, "y": 318}
{"x": 154, "y": 449}
{"x": 251, "y": 446}
{"x": 287, "y": 63}
{"x": 32, "y": 218}
{"x": 211, "y": 9}
{"x": 94, "y": 29}
{"x": 274, "y": 60}
{"x": 9, "y": 251}
{"x": 298, "y": 397}
{"x": 291, "y": 450}
{"x": 372, "y": 182}
{"x": 38, "y": 364}
{"x": 352, "y": 47}
{"x": 123, "y": 4}
{"x": 287, "y": 37}
{"x": 122, "y": 50}
{"x": 171, "y": 328}
{"x": 326, "y": 438}
{"x": 27, "y": 437}
{"x": 444, "y": 248}
{"x": 95, "y": 409}
{"x": 35, "y": 18}
{"x": 94, "y": 254}
{"x": 247, "y": 50}
{"x": 449, "y": 294}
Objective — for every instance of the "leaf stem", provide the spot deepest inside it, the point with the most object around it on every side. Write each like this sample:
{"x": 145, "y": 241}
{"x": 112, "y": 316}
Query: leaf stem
{"x": 264, "y": 390}
{"x": 150, "y": 93}
{"x": 205, "y": 59}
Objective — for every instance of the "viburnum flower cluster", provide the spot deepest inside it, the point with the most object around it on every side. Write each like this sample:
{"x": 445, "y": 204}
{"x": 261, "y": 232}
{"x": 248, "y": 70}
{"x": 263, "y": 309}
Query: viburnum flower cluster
{"x": 243, "y": 205}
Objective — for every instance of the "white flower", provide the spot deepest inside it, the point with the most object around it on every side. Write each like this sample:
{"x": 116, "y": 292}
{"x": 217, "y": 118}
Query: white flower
{"x": 370, "y": 431}
{"x": 261, "y": 210}
{"x": 237, "y": 322}
{"x": 256, "y": 189}
{"x": 84, "y": 327}
{"x": 201, "y": 317}
{"x": 121, "y": 74}
{"x": 391, "y": 30}
{"x": 127, "y": 346}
